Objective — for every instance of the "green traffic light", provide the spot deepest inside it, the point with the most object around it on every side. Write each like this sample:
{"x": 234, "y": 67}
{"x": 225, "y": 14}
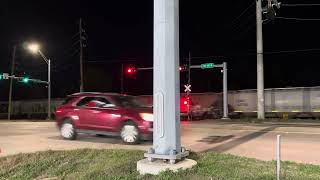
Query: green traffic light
{"x": 1, "y": 76}
{"x": 25, "y": 80}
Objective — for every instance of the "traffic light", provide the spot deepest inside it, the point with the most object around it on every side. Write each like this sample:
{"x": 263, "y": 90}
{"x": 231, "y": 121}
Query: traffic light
{"x": 1, "y": 77}
{"x": 131, "y": 70}
{"x": 183, "y": 68}
{"x": 25, "y": 80}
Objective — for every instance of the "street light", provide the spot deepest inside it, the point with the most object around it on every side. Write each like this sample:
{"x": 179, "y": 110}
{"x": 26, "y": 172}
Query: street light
{"x": 35, "y": 48}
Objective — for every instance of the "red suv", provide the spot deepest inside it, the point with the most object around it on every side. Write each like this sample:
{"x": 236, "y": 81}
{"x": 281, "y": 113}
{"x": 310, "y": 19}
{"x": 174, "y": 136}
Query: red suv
{"x": 105, "y": 114}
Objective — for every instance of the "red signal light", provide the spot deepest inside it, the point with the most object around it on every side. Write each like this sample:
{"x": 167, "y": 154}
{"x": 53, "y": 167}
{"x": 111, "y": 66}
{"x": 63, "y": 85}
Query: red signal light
{"x": 183, "y": 68}
{"x": 131, "y": 70}
{"x": 185, "y": 102}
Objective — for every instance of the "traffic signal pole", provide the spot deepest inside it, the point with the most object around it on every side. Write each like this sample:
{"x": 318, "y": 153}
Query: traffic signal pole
{"x": 225, "y": 83}
{"x": 81, "y": 56}
{"x": 11, "y": 82}
{"x": 225, "y": 91}
{"x": 189, "y": 83}
{"x": 122, "y": 79}
{"x": 207, "y": 66}
{"x": 166, "y": 91}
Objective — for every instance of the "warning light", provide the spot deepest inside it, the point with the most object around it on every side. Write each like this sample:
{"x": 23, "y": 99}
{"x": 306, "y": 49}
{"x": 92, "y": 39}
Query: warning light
{"x": 185, "y": 102}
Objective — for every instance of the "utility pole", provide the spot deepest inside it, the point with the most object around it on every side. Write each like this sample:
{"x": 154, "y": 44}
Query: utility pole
{"x": 11, "y": 81}
{"x": 260, "y": 71}
{"x": 81, "y": 56}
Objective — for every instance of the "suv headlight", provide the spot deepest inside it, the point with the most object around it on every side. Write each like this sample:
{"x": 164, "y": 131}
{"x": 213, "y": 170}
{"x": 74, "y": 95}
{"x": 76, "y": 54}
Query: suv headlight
{"x": 146, "y": 116}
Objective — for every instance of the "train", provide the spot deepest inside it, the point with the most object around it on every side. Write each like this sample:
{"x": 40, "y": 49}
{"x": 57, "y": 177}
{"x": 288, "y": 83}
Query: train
{"x": 293, "y": 102}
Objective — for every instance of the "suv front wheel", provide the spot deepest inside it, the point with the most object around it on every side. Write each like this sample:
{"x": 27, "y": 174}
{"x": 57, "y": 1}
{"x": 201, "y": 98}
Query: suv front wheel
{"x": 130, "y": 133}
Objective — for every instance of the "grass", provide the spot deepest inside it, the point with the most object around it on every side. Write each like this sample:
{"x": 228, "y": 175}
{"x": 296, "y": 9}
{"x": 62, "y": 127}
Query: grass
{"x": 121, "y": 164}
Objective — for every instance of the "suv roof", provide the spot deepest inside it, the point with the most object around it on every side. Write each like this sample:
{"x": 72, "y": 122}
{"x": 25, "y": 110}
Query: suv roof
{"x": 94, "y": 94}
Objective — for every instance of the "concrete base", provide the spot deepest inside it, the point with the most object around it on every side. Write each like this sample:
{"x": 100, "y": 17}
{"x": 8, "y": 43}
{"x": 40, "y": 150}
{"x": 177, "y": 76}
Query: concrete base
{"x": 146, "y": 167}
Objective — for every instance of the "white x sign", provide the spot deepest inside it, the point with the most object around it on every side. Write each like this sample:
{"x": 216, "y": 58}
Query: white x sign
{"x": 5, "y": 76}
{"x": 187, "y": 88}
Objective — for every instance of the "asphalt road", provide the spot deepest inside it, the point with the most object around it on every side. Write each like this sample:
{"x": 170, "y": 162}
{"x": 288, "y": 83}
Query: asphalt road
{"x": 300, "y": 141}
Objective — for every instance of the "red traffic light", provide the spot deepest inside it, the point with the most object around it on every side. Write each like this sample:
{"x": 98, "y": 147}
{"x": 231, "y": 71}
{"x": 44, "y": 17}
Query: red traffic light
{"x": 183, "y": 68}
{"x": 131, "y": 70}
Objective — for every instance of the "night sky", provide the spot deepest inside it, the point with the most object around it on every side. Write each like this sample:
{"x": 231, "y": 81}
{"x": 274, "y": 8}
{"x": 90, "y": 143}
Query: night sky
{"x": 121, "y": 32}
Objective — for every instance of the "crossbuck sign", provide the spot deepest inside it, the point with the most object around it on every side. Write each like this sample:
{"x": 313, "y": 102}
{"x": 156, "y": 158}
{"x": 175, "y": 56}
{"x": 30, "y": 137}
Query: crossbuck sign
{"x": 187, "y": 88}
{"x": 5, "y": 76}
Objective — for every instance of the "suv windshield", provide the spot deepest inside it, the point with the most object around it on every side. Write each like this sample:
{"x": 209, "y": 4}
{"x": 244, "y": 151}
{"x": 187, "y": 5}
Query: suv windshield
{"x": 129, "y": 102}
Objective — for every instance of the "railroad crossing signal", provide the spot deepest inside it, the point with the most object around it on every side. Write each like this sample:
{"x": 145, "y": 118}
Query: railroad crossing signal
{"x": 207, "y": 66}
{"x": 187, "y": 88}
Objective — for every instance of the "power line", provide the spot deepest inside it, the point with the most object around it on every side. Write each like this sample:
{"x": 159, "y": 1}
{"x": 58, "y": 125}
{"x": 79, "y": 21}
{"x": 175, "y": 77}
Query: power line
{"x": 244, "y": 11}
{"x": 75, "y": 35}
{"x": 293, "y": 51}
{"x": 298, "y": 19}
{"x": 245, "y": 23}
{"x": 299, "y": 5}
{"x": 205, "y": 57}
{"x": 110, "y": 61}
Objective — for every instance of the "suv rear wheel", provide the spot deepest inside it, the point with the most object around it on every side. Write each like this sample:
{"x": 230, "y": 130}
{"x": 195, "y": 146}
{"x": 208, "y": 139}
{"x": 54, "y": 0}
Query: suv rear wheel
{"x": 68, "y": 130}
{"x": 130, "y": 133}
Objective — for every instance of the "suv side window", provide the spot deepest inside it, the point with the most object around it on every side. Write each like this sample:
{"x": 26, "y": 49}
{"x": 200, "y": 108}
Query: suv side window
{"x": 102, "y": 102}
{"x": 85, "y": 101}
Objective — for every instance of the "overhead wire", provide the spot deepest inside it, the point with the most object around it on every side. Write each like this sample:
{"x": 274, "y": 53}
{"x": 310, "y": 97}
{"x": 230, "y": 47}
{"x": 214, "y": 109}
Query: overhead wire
{"x": 298, "y": 19}
{"x": 299, "y": 5}
{"x": 243, "y": 12}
